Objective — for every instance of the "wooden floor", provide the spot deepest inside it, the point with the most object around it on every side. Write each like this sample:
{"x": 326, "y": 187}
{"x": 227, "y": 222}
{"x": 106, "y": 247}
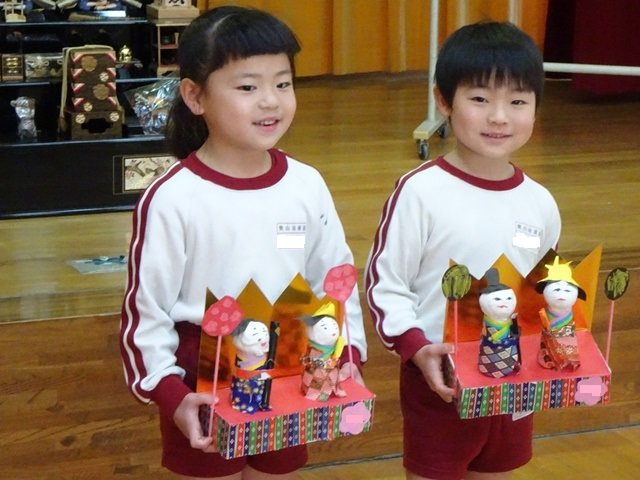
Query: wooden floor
{"x": 64, "y": 411}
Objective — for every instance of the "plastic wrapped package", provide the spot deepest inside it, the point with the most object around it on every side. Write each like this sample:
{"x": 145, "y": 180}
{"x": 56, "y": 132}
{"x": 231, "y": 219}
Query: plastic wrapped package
{"x": 151, "y": 104}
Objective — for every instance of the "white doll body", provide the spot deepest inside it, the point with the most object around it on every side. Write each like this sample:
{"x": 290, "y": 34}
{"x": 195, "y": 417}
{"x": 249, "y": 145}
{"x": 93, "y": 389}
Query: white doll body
{"x": 248, "y": 383}
{"x": 253, "y": 341}
{"x": 498, "y": 305}
{"x": 321, "y": 376}
{"x": 324, "y": 332}
{"x": 499, "y": 349}
{"x": 560, "y": 297}
{"x": 559, "y": 347}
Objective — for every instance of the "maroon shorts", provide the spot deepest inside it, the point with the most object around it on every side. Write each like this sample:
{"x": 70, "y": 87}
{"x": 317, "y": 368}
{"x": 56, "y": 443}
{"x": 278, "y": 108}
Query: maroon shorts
{"x": 439, "y": 445}
{"x": 177, "y": 454}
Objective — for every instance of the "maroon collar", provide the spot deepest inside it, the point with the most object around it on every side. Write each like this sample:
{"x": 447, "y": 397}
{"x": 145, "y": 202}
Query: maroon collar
{"x": 507, "y": 184}
{"x": 278, "y": 169}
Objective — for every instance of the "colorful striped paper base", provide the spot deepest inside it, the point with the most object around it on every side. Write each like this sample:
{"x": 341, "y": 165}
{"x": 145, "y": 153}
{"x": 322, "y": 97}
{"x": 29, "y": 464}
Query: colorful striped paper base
{"x": 533, "y": 388}
{"x": 293, "y": 419}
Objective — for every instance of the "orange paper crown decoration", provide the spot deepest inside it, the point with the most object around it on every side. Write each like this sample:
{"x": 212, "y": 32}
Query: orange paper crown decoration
{"x": 292, "y": 419}
{"x": 296, "y": 301}
{"x": 532, "y": 388}
{"x": 530, "y": 301}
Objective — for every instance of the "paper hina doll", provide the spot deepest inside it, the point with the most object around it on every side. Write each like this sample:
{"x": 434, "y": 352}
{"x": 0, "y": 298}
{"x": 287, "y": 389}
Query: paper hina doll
{"x": 250, "y": 382}
{"x": 499, "y": 344}
{"x": 320, "y": 378}
{"x": 558, "y": 343}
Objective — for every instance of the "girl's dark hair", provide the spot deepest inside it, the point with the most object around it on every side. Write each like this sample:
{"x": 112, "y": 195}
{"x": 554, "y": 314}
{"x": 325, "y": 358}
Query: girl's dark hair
{"x": 210, "y": 42}
{"x": 478, "y": 53}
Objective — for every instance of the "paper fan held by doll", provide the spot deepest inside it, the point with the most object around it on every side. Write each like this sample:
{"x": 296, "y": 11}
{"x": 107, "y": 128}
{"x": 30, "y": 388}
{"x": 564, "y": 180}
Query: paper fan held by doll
{"x": 321, "y": 375}
{"x": 499, "y": 344}
{"x": 558, "y": 342}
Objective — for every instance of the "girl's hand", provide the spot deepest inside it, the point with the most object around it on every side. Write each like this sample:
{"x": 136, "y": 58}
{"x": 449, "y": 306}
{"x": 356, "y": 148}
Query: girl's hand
{"x": 429, "y": 360}
{"x": 345, "y": 372}
{"x": 187, "y": 420}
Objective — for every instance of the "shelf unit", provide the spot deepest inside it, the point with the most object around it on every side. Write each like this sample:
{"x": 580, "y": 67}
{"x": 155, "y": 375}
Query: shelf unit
{"x": 166, "y": 38}
{"x": 52, "y": 174}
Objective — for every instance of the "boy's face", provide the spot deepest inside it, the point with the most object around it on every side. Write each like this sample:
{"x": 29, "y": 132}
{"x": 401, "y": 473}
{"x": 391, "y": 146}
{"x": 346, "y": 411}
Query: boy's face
{"x": 490, "y": 122}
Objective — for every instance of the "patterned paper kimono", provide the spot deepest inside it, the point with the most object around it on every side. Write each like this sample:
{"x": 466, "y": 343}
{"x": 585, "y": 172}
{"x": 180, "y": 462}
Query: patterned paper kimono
{"x": 499, "y": 349}
{"x": 320, "y": 377}
{"x": 558, "y": 344}
{"x": 248, "y": 386}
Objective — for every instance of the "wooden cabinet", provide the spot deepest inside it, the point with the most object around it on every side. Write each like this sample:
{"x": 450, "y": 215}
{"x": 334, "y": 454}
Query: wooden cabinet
{"x": 52, "y": 173}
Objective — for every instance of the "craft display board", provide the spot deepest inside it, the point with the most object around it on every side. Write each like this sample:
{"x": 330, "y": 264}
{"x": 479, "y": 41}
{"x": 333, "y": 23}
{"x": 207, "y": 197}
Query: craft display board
{"x": 533, "y": 388}
{"x": 293, "y": 419}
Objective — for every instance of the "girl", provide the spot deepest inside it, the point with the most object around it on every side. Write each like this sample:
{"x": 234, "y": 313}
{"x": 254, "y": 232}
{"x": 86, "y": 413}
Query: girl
{"x": 233, "y": 209}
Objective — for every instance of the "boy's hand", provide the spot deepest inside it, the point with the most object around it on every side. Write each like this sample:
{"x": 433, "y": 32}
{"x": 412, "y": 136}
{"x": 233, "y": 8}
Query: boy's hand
{"x": 187, "y": 420}
{"x": 429, "y": 360}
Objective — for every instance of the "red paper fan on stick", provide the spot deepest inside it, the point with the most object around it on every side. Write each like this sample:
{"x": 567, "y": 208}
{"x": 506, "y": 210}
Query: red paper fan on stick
{"x": 220, "y": 319}
{"x": 338, "y": 284}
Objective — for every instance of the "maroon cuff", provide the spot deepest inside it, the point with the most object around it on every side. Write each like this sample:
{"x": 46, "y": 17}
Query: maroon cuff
{"x": 409, "y": 343}
{"x": 355, "y": 355}
{"x": 169, "y": 393}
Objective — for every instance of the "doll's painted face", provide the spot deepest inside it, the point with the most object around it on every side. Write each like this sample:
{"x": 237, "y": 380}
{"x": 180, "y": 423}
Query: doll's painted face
{"x": 560, "y": 296}
{"x": 254, "y": 341}
{"x": 498, "y": 305}
{"x": 324, "y": 332}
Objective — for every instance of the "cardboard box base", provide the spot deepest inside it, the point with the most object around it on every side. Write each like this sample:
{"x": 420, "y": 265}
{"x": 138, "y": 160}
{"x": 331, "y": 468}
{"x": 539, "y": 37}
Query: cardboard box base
{"x": 293, "y": 420}
{"x": 533, "y": 388}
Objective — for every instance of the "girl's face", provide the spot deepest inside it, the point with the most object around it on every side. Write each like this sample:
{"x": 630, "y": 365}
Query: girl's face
{"x": 560, "y": 296}
{"x": 249, "y": 104}
{"x": 498, "y": 305}
{"x": 489, "y": 122}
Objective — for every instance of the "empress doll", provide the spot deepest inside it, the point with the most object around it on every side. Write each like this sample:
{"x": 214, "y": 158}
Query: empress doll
{"x": 558, "y": 343}
{"x": 321, "y": 375}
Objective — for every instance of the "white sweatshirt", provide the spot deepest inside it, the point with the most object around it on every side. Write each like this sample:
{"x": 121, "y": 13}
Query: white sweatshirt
{"x": 438, "y": 213}
{"x": 196, "y": 229}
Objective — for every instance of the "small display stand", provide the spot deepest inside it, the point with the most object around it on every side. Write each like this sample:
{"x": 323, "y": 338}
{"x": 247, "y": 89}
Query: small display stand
{"x": 170, "y": 17}
{"x": 532, "y": 388}
{"x": 287, "y": 417}
{"x": 172, "y": 9}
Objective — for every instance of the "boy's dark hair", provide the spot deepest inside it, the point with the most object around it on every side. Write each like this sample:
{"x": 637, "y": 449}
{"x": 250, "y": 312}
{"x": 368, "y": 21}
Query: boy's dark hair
{"x": 483, "y": 51}
{"x": 210, "y": 42}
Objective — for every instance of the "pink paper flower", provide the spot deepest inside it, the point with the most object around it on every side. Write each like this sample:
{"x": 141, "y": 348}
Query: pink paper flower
{"x": 354, "y": 418}
{"x": 590, "y": 390}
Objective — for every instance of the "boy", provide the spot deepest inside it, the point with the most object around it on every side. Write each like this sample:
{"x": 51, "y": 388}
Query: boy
{"x": 471, "y": 206}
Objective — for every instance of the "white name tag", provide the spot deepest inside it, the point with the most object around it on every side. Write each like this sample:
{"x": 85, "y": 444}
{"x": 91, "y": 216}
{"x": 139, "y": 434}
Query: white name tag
{"x": 527, "y": 236}
{"x": 291, "y": 235}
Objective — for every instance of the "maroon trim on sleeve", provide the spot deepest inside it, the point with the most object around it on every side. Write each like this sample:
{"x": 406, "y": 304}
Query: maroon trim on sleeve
{"x": 133, "y": 362}
{"x": 372, "y": 276}
{"x": 169, "y": 393}
{"x": 409, "y": 343}
{"x": 279, "y": 166}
